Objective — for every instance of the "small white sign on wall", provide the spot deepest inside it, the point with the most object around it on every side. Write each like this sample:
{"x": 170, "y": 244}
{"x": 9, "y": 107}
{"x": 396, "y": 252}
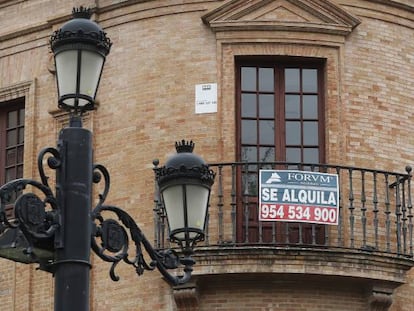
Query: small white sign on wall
{"x": 206, "y": 98}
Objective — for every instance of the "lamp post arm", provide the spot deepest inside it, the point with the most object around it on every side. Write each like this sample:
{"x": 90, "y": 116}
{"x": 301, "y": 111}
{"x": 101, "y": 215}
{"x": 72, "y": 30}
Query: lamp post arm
{"x": 111, "y": 240}
{"x": 169, "y": 259}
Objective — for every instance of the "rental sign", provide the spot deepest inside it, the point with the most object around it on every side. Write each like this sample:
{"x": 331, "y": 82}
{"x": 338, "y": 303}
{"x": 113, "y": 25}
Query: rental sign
{"x": 298, "y": 196}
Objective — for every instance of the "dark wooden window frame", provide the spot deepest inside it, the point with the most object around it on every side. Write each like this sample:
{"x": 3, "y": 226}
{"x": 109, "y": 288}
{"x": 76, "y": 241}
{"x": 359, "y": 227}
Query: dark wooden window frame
{"x": 5, "y": 108}
{"x": 279, "y": 64}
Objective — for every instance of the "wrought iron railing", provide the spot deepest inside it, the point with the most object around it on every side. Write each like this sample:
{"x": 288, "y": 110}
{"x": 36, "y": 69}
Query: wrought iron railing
{"x": 375, "y": 211}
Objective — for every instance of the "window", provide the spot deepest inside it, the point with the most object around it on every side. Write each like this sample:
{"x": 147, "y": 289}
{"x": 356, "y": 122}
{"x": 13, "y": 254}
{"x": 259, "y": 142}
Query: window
{"x": 280, "y": 118}
{"x": 11, "y": 140}
{"x": 280, "y": 112}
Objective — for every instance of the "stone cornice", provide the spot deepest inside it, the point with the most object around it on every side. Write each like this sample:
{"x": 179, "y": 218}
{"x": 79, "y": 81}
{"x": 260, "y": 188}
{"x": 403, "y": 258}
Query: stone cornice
{"x": 15, "y": 91}
{"x": 320, "y": 16}
{"x": 365, "y": 265}
{"x": 397, "y": 4}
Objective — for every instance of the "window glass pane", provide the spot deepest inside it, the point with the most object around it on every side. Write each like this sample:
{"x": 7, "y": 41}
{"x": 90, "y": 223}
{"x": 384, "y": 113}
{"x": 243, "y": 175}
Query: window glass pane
{"x": 20, "y": 154}
{"x": 13, "y": 144}
{"x": 249, "y": 154}
{"x": 250, "y": 184}
{"x": 310, "y": 107}
{"x": 267, "y": 132}
{"x": 266, "y": 80}
{"x": 19, "y": 171}
{"x": 249, "y": 132}
{"x": 12, "y": 119}
{"x": 292, "y": 80}
{"x": 21, "y": 117}
{"x": 267, "y": 154}
{"x": 310, "y": 133}
{"x": 248, "y": 79}
{"x": 292, "y": 106}
{"x": 21, "y": 136}
{"x": 248, "y": 105}
{"x": 293, "y": 155}
{"x": 311, "y": 155}
{"x": 11, "y": 157}
{"x": 10, "y": 174}
{"x": 293, "y": 136}
{"x": 11, "y": 138}
{"x": 266, "y": 106}
{"x": 310, "y": 80}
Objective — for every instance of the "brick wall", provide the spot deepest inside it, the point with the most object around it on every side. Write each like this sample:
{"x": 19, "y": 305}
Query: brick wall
{"x": 161, "y": 49}
{"x": 264, "y": 293}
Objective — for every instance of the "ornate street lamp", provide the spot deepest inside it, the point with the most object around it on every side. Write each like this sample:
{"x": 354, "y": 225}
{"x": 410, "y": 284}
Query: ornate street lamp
{"x": 184, "y": 184}
{"x": 80, "y": 48}
{"x": 58, "y": 229}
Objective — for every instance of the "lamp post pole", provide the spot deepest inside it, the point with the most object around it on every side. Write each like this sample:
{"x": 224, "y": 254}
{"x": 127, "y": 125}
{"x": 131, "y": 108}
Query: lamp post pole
{"x": 73, "y": 193}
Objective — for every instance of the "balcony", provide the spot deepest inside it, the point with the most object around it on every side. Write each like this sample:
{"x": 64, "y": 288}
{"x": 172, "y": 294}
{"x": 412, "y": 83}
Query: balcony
{"x": 371, "y": 246}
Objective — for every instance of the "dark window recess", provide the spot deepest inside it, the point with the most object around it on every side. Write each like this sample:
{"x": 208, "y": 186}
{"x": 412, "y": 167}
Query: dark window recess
{"x": 12, "y": 115}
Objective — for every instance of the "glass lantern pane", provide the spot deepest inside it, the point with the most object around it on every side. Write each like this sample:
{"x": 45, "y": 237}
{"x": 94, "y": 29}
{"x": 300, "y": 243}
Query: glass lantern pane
{"x": 197, "y": 201}
{"x": 90, "y": 73}
{"x": 66, "y": 73}
{"x": 173, "y": 201}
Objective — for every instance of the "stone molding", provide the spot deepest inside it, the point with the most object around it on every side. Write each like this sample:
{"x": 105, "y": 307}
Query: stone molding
{"x": 387, "y": 270}
{"x": 317, "y": 16}
{"x": 380, "y": 299}
{"x": 186, "y": 297}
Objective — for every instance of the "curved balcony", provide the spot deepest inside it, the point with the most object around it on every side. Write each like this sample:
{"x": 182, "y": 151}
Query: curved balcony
{"x": 371, "y": 245}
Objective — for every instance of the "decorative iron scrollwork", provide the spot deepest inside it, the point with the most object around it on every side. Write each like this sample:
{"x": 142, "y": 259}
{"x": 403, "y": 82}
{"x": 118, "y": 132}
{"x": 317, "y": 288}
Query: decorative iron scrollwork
{"x": 37, "y": 218}
{"x": 31, "y": 215}
{"x": 111, "y": 241}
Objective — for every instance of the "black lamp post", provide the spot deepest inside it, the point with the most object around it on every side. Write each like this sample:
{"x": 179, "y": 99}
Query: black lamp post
{"x": 57, "y": 230}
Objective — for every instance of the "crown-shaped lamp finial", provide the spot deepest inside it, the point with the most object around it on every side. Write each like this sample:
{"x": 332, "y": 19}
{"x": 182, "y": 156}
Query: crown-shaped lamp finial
{"x": 184, "y": 146}
{"x": 81, "y": 12}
